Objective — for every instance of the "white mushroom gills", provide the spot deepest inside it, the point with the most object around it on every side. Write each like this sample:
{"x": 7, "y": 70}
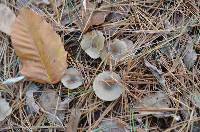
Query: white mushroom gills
{"x": 72, "y": 79}
{"x": 107, "y": 86}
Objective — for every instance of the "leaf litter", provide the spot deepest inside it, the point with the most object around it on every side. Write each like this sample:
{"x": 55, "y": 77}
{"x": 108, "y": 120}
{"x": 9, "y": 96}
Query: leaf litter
{"x": 149, "y": 25}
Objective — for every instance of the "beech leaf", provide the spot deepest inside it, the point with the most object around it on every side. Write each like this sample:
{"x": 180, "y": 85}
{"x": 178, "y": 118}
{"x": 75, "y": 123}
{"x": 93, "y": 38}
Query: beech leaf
{"x": 39, "y": 48}
{"x": 7, "y": 18}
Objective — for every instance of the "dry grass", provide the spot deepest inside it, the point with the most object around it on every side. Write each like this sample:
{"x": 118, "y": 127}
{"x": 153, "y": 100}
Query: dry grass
{"x": 162, "y": 45}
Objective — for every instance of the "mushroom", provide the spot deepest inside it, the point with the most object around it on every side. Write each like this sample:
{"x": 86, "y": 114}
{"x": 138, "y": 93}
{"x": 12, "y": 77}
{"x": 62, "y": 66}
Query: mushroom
{"x": 107, "y": 86}
{"x": 92, "y": 43}
{"x": 117, "y": 49}
{"x": 72, "y": 79}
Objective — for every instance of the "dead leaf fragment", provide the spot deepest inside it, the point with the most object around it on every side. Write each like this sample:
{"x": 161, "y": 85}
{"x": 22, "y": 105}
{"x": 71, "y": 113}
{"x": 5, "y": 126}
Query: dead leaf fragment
{"x": 156, "y": 72}
{"x": 5, "y": 109}
{"x": 90, "y": 16}
{"x": 153, "y": 102}
{"x": 190, "y": 58}
{"x": 30, "y": 101}
{"x": 11, "y": 81}
{"x": 39, "y": 48}
{"x": 113, "y": 125}
{"x": 53, "y": 106}
{"x": 74, "y": 120}
{"x": 7, "y": 18}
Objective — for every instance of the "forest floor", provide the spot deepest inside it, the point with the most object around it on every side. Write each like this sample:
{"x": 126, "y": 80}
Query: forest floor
{"x": 158, "y": 67}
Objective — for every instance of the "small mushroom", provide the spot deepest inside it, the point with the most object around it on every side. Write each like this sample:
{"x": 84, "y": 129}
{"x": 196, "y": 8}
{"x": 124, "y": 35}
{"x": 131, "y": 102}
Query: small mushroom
{"x": 72, "y": 79}
{"x": 117, "y": 49}
{"x": 92, "y": 43}
{"x": 107, "y": 86}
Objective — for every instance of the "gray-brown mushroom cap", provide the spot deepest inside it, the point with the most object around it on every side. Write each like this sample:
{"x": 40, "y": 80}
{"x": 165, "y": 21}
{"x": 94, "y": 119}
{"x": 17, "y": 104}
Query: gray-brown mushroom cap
{"x": 107, "y": 86}
{"x": 116, "y": 51}
{"x": 72, "y": 79}
{"x": 92, "y": 43}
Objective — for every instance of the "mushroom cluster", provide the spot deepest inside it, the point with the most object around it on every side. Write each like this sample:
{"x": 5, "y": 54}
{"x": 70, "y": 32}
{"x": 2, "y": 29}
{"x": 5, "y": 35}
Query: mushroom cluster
{"x": 107, "y": 86}
{"x": 93, "y": 44}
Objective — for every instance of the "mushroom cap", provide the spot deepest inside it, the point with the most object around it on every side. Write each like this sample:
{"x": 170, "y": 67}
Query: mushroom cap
{"x": 92, "y": 43}
{"x": 117, "y": 49}
{"x": 72, "y": 79}
{"x": 107, "y": 86}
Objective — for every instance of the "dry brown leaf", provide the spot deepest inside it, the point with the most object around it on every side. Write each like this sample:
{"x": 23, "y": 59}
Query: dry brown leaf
{"x": 74, "y": 120}
{"x": 39, "y": 47}
{"x": 91, "y": 17}
{"x": 7, "y": 18}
